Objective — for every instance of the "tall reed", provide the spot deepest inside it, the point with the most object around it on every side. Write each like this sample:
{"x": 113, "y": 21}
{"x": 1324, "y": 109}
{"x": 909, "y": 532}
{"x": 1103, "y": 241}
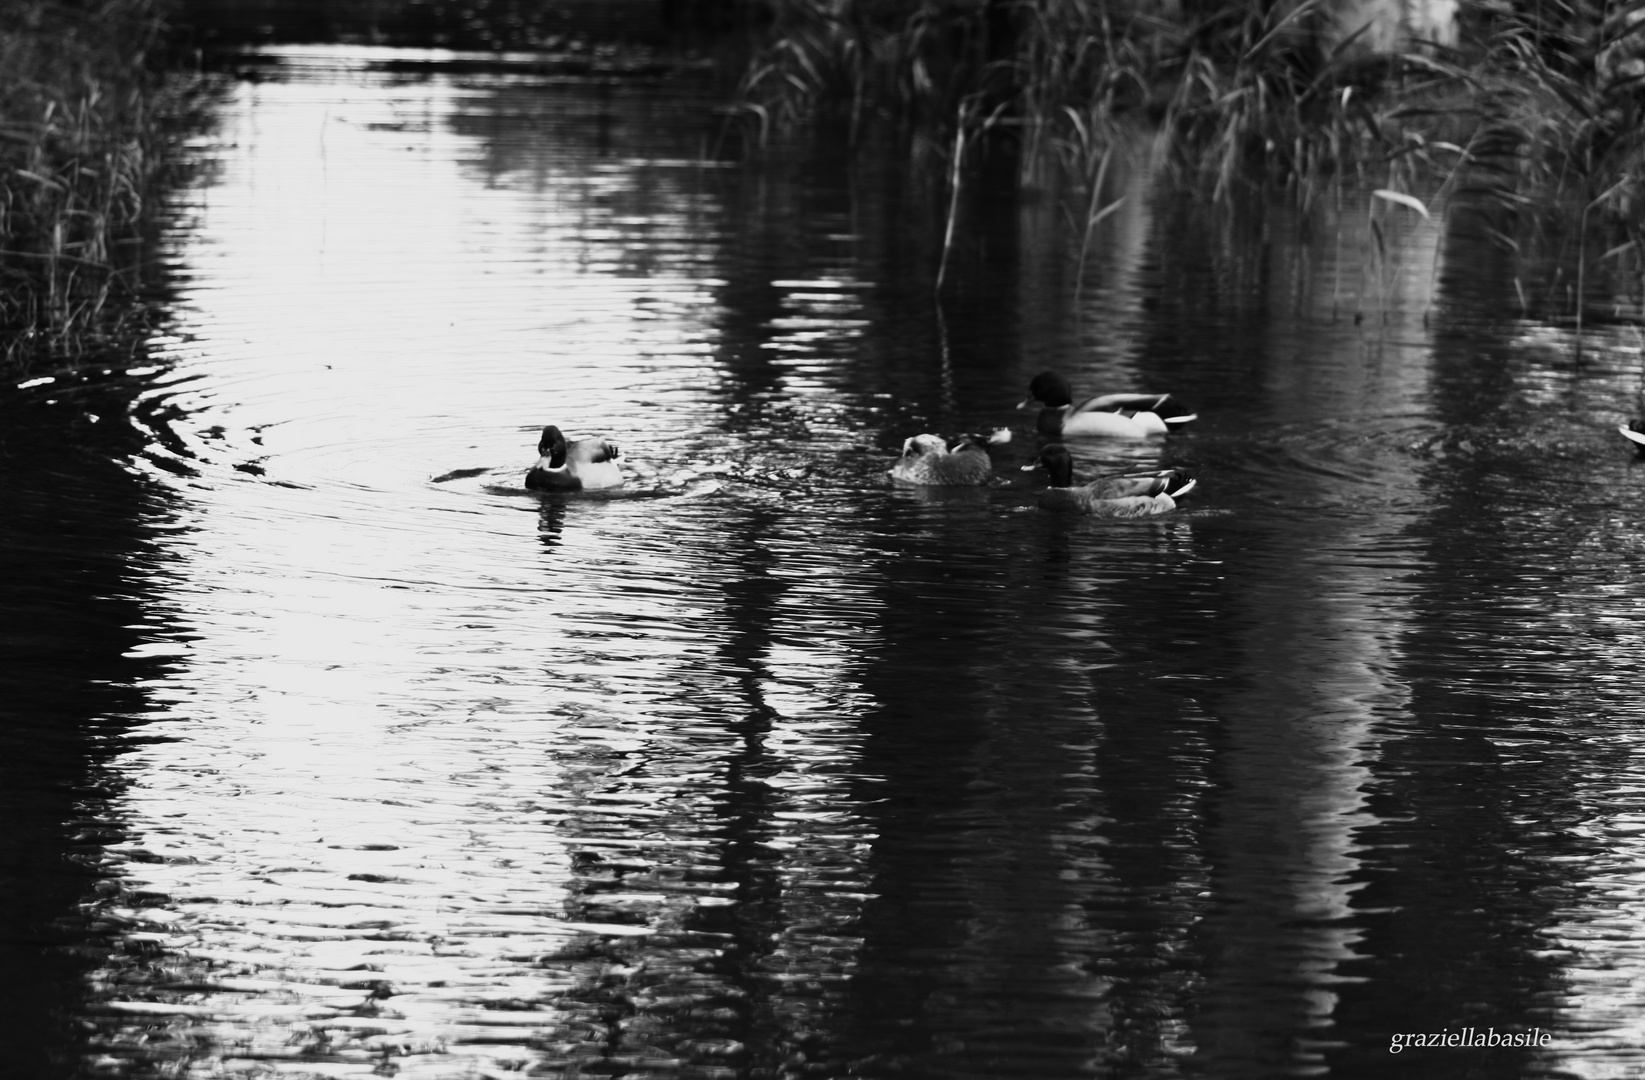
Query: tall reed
{"x": 1536, "y": 118}
{"x": 81, "y": 125}
{"x": 1556, "y": 166}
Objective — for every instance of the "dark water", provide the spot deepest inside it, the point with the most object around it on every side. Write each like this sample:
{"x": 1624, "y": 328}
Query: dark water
{"x": 330, "y": 752}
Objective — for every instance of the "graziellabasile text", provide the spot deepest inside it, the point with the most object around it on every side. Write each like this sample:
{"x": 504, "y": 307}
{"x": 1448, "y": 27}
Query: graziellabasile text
{"x": 1468, "y": 1037}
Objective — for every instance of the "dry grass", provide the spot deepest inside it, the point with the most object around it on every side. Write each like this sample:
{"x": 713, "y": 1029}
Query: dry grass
{"x": 82, "y": 122}
{"x": 1536, "y": 122}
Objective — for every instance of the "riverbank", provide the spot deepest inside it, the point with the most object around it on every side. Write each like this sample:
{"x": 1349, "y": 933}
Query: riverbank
{"x": 1529, "y": 119}
{"x": 86, "y": 120}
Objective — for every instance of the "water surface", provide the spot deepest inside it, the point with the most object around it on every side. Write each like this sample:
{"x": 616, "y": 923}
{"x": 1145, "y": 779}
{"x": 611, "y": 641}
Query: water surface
{"x": 334, "y": 752}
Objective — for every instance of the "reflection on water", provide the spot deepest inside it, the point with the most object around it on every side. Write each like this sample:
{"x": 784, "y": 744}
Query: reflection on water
{"x": 761, "y": 766}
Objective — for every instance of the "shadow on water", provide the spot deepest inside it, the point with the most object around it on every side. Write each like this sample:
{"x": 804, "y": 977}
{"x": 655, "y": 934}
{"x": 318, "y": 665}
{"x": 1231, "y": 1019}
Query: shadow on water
{"x": 76, "y": 533}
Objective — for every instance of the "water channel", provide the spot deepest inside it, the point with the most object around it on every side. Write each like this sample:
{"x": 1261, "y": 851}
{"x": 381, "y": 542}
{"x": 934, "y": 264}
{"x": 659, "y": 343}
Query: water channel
{"x": 332, "y": 752}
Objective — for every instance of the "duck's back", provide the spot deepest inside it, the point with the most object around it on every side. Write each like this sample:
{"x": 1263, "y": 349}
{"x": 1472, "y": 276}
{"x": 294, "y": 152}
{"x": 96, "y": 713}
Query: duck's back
{"x": 594, "y": 463}
{"x": 1165, "y": 481}
{"x": 1132, "y": 506}
{"x": 967, "y": 467}
{"x": 1121, "y": 423}
{"x": 597, "y": 475}
{"x": 1090, "y": 500}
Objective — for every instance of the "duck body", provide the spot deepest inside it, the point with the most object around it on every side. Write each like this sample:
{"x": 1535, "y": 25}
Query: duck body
{"x": 928, "y": 460}
{"x": 1122, "y": 416}
{"x": 581, "y": 465}
{"x": 1129, "y": 495}
{"x": 1634, "y": 432}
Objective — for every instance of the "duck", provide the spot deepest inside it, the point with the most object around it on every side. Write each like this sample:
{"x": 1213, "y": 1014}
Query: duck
{"x": 1634, "y": 432}
{"x": 930, "y": 460}
{"x": 581, "y": 465}
{"x": 1125, "y": 416}
{"x": 1143, "y": 494}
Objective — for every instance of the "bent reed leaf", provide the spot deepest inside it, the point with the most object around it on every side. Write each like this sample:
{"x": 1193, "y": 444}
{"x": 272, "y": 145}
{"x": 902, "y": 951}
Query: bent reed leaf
{"x": 1403, "y": 199}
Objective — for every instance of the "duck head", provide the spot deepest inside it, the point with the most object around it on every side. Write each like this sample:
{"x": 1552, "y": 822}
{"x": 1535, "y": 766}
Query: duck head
{"x": 919, "y": 445}
{"x": 1056, "y": 460}
{"x": 1050, "y": 390}
{"x": 557, "y": 452}
{"x": 552, "y": 447}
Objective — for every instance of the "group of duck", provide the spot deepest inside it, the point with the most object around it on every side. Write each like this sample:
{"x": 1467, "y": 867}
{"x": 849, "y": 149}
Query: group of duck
{"x": 928, "y": 460}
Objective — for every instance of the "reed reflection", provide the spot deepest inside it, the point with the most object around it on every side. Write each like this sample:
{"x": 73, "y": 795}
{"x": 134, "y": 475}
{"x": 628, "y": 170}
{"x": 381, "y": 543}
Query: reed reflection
{"x": 1522, "y": 744}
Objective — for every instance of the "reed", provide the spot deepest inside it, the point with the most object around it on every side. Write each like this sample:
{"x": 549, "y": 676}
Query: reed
{"x": 1556, "y": 162}
{"x": 1282, "y": 88}
{"x": 1234, "y": 92}
{"x": 82, "y": 126}
{"x": 1535, "y": 120}
{"x": 1247, "y": 77}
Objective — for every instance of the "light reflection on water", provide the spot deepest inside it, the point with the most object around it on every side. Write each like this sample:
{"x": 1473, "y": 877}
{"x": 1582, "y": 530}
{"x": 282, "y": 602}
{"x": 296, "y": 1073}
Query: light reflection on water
{"x": 764, "y": 767}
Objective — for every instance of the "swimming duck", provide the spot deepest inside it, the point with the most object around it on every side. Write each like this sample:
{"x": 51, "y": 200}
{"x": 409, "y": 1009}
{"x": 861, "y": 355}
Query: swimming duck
{"x": 583, "y": 465}
{"x": 1126, "y": 495}
{"x": 927, "y": 459}
{"x": 1634, "y": 432}
{"x": 1126, "y": 416}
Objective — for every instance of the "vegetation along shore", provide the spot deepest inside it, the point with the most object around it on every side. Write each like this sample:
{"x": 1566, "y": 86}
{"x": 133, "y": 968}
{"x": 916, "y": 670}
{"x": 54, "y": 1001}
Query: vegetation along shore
{"x": 85, "y": 121}
{"x": 1529, "y": 114}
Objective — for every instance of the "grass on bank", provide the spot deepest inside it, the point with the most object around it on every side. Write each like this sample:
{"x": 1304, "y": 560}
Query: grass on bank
{"x": 83, "y": 123}
{"x": 1534, "y": 120}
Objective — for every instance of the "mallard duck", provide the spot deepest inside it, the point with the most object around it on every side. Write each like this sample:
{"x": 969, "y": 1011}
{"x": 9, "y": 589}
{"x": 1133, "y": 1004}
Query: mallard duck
{"x": 1126, "y": 416}
{"x": 1634, "y": 432}
{"x": 928, "y": 460}
{"x": 583, "y": 465}
{"x": 1125, "y": 495}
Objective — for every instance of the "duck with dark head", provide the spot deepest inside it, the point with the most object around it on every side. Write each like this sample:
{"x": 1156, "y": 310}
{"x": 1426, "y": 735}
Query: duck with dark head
{"x": 1634, "y": 431}
{"x": 1128, "y": 495}
{"x": 580, "y": 465}
{"x": 1115, "y": 416}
